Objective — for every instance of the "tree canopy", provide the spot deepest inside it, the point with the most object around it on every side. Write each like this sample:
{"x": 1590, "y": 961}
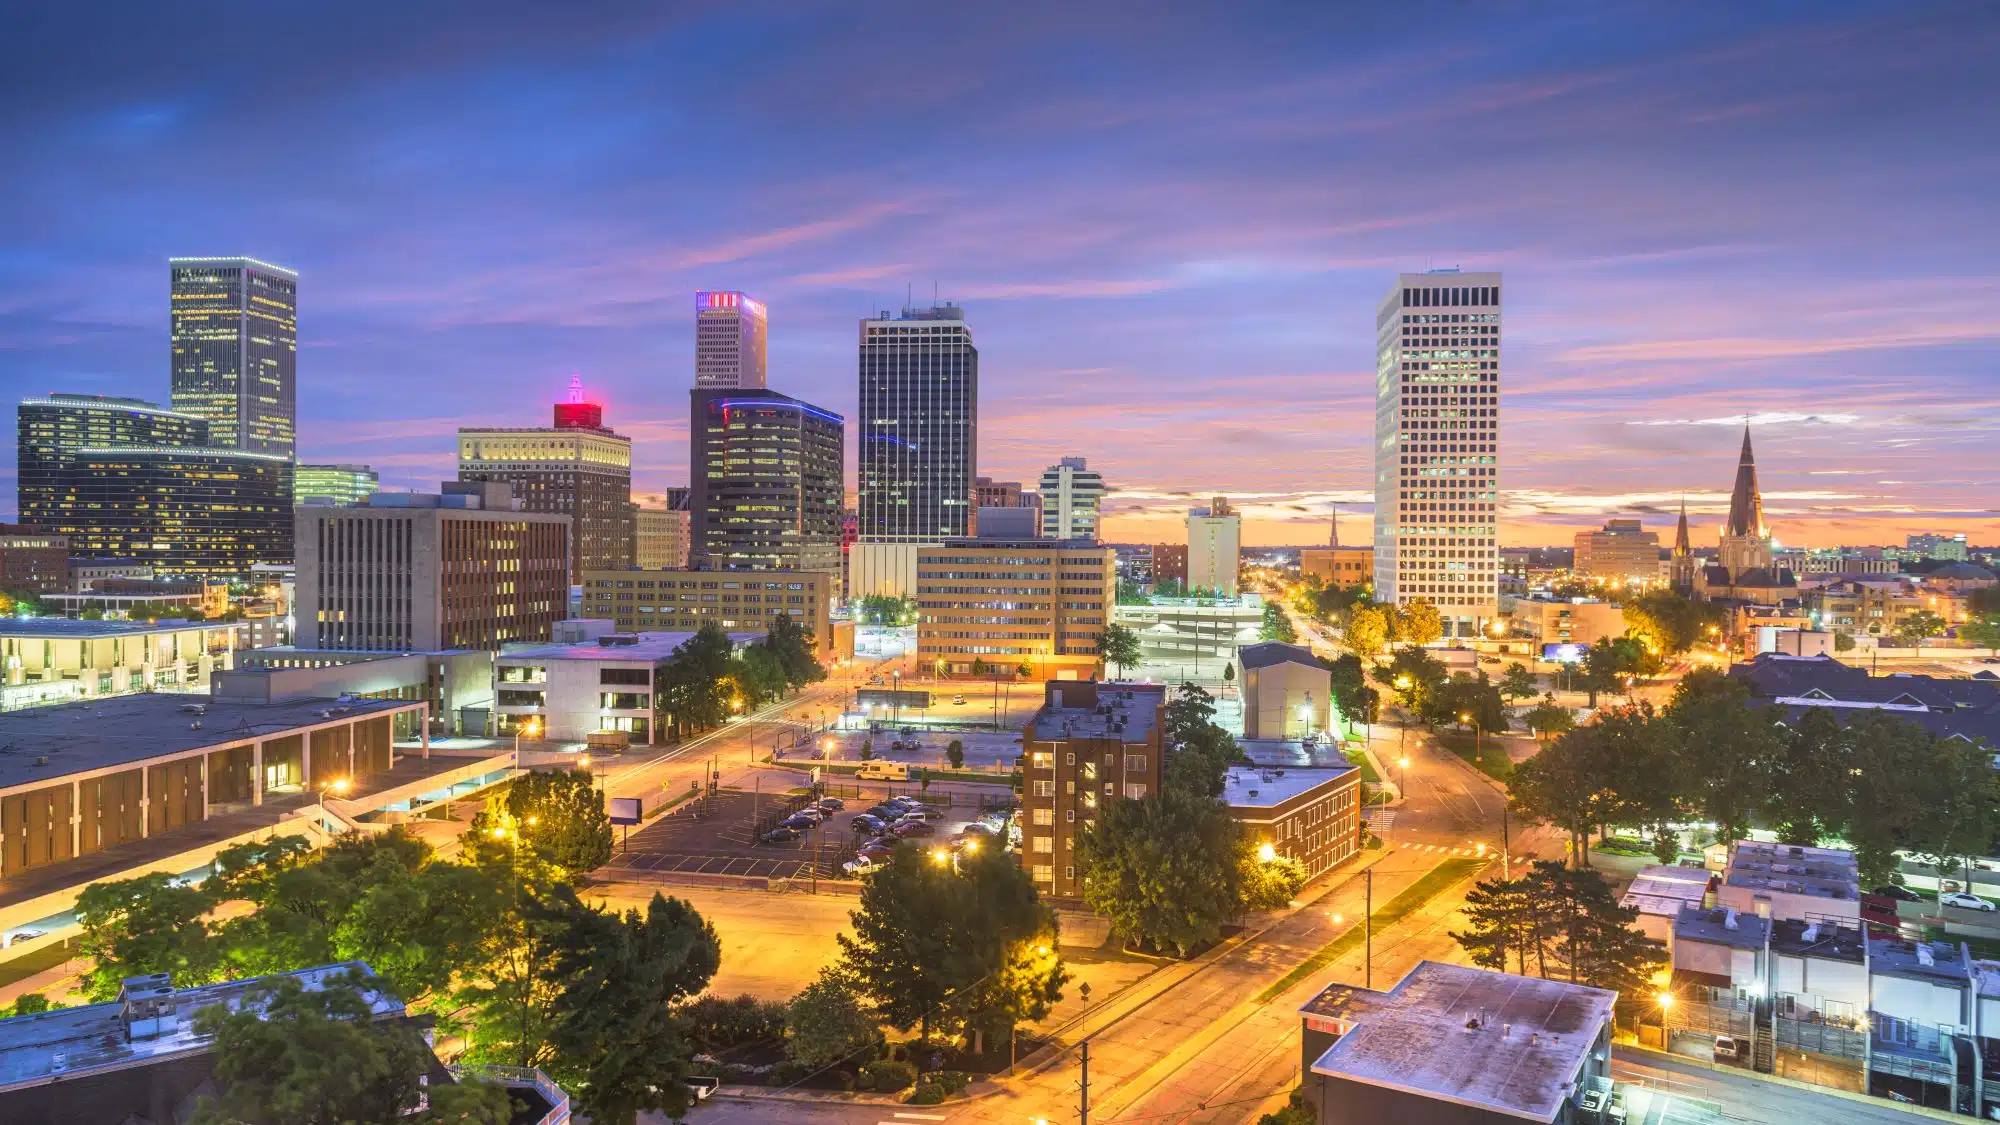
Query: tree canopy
{"x": 1119, "y": 645}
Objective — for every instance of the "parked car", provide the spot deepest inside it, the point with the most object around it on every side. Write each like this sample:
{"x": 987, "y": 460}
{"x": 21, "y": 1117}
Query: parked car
{"x": 958, "y": 700}
{"x": 868, "y": 823}
{"x": 780, "y": 835}
{"x": 1728, "y": 1048}
{"x": 904, "y": 803}
{"x": 978, "y": 829}
{"x": 923, "y": 812}
{"x": 911, "y": 828}
{"x": 1900, "y": 894}
{"x": 831, "y": 804}
{"x": 859, "y": 865}
{"x": 1965, "y": 901}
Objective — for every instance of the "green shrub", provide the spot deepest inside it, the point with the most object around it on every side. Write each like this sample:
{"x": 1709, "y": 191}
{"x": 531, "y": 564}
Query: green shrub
{"x": 929, "y": 1093}
{"x": 889, "y": 1075}
{"x": 864, "y": 1079}
{"x": 716, "y": 1024}
{"x": 953, "y": 1081}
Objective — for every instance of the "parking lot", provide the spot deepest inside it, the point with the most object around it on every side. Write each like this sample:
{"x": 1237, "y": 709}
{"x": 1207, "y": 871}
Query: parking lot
{"x": 983, "y": 749}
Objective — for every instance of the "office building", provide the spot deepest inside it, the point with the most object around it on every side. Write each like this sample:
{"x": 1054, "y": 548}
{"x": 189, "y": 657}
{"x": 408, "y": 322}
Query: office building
{"x": 1622, "y": 553}
{"x": 1451, "y": 1043}
{"x": 730, "y": 334}
{"x": 884, "y": 569}
{"x": 32, "y": 561}
{"x": 765, "y": 473}
{"x": 1071, "y": 493}
{"x": 235, "y": 327}
{"x": 681, "y": 600}
{"x": 334, "y": 484}
{"x": 463, "y": 568}
{"x": 1568, "y": 621}
{"x": 1950, "y": 547}
{"x": 56, "y": 659}
{"x": 919, "y": 427}
{"x": 604, "y": 681}
{"x": 661, "y": 537}
{"x": 1007, "y": 523}
{"x": 52, "y": 430}
{"x": 578, "y": 468}
{"x": 990, "y": 493}
{"x": 1309, "y": 815}
{"x": 1039, "y": 603}
{"x": 1170, "y": 563}
{"x": 141, "y": 1058}
{"x": 1343, "y": 567}
{"x": 1437, "y": 446}
{"x": 195, "y": 512}
{"x": 1091, "y": 743}
{"x": 1287, "y": 691}
{"x": 1214, "y": 548}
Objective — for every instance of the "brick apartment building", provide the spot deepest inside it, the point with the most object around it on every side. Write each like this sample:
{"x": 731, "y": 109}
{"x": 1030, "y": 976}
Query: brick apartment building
{"x": 1089, "y": 744}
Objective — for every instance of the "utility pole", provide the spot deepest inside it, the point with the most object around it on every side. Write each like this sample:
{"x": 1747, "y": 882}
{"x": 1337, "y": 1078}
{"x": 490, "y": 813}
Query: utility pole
{"x": 1368, "y": 928}
{"x": 1083, "y": 1110}
{"x": 1506, "y": 845}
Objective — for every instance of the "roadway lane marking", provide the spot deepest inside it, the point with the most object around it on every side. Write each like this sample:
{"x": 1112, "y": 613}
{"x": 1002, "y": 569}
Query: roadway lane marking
{"x": 919, "y": 1117}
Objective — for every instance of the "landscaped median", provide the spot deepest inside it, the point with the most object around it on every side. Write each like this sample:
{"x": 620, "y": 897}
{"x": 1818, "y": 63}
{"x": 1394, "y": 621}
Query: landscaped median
{"x": 1407, "y": 902}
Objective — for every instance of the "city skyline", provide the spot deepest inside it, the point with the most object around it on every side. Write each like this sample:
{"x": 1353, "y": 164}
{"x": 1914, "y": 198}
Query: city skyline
{"x": 1699, "y": 220}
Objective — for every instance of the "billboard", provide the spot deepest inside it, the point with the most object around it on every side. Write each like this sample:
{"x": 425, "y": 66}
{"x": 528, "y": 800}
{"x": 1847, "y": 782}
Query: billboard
{"x": 624, "y": 810}
{"x": 1564, "y": 653}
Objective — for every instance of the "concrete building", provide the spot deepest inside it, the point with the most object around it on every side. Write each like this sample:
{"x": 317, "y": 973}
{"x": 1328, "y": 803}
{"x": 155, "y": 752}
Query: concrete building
{"x": 1187, "y": 633}
{"x": 53, "y": 659}
{"x": 1659, "y": 892}
{"x": 1071, "y": 493}
{"x": 336, "y": 484}
{"x": 662, "y": 537}
{"x": 86, "y": 573}
{"x": 1345, "y": 567}
{"x": 1572, "y": 621}
{"x": 1455, "y": 1045}
{"x": 1091, "y": 743}
{"x": 139, "y": 1059}
{"x": 1035, "y": 602}
{"x": 184, "y": 511}
{"x": 235, "y": 328}
{"x": 1622, "y": 552}
{"x": 606, "y": 682}
{"x": 461, "y": 568}
{"x": 990, "y": 493}
{"x": 1865, "y": 607}
{"x": 1437, "y": 446}
{"x": 577, "y": 469}
{"x": 53, "y": 430}
{"x": 456, "y": 683}
{"x": 1790, "y": 881}
{"x": 765, "y": 492}
{"x": 32, "y": 561}
{"x": 1311, "y": 815}
{"x": 680, "y": 600}
{"x": 1934, "y": 546}
{"x": 731, "y": 336}
{"x": 919, "y": 427}
{"x": 1006, "y": 523}
{"x": 885, "y": 569}
{"x": 1287, "y": 691}
{"x": 1214, "y": 548}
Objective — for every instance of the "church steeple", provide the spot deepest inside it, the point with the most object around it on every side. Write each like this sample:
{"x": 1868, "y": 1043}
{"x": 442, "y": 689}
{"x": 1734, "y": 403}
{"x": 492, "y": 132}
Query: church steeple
{"x": 1746, "y": 503}
{"x": 1683, "y": 557}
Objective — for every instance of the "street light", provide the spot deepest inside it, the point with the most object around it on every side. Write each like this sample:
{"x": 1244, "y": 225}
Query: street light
{"x": 1266, "y": 853}
{"x": 339, "y": 786}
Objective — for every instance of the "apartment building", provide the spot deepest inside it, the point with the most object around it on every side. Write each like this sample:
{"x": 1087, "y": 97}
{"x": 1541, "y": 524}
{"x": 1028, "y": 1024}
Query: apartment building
{"x": 1089, "y": 744}
{"x": 1311, "y": 815}
{"x": 1010, "y": 602}
{"x": 1338, "y": 566}
{"x": 737, "y": 600}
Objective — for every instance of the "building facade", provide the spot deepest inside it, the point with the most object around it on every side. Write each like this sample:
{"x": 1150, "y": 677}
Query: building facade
{"x": 731, "y": 332}
{"x": 1091, "y": 743}
{"x": 1311, "y": 816}
{"x": 1214, "y": 548}
{"x": 1437, "y": 446}
{"x": 196, "y": 512}
{"x": 765, "y": 473}
{"x": 577, "y": 468}
{"x": 1622, "y": 552}
{"x": 661, "y": 538}
{"x": 1344, "y": 567}
{"x": 919, "y": 426}
{"x": 52, "y": 430}
{"x": 1041, "y": 603}
{"x": 1170, "y": 563}
{"x": 235, "y": 329}
{"x": 574, "y": 690}
{"x": 33, "y": 561}
{"x": 680, "y": 600}
{"x": 1071, "y": 493}
{"x": 407, "y": 571}
{"x": 337, "y": 484}
{"x": 1934, "y": 546}
{"x": 1287, "y": 691}
{"x": 990, "y": 493}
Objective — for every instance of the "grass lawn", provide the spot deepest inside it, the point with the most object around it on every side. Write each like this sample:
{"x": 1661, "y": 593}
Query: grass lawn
{"x": 1360, "y": 759}
{"x": 1434, "y": 883}
{"x": 1490, "y": 759}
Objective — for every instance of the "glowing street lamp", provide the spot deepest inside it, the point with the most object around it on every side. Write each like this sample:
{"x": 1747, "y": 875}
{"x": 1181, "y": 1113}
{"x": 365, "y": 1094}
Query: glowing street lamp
{"x": 1266, "y": 853}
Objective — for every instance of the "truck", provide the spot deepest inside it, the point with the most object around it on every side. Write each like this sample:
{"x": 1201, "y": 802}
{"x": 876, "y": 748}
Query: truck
{"x": 608, "y": 741}
{"x": 883, "y": 771}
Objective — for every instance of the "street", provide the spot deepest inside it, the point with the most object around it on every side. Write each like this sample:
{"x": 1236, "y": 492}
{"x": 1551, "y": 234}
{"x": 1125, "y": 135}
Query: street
{"x": 1755, "y": 1100}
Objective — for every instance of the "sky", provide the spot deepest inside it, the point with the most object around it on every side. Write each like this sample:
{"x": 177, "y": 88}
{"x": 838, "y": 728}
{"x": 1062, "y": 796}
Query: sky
{"x": 1169, "y": 224}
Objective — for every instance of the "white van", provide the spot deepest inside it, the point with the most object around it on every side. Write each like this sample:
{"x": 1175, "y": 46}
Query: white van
{"x": 883, "y": 771}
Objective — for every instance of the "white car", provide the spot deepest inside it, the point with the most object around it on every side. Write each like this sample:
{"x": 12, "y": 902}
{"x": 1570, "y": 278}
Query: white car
{"x": 859, "y": 865}
{"x": 1965, "y": 901}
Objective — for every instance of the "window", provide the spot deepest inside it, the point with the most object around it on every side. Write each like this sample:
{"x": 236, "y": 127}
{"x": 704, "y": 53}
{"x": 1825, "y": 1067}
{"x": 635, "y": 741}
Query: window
{"x": 1045, "y": 874}
{"x": 1135, "y": 790}
{"x": 1135, "y": 763}
{"x": 1045, "y": 788}
{"x": 1069, "y": 816}
{"x": 1045, "y": 816}
{"x": 1045, "y": 844}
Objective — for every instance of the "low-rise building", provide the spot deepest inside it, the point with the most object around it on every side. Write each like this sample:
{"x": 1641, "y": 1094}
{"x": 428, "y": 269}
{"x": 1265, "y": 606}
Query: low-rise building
{"x": 1287, "y": 691}
{"x": 1658, "y": 892}
{"x": 1870, "y": 607}
{"x": 1571, "y": 621}
{"x": 85, "y": 573}
{"x": 1042, "y": 603}
{"x": 1179, "y": 635}
{"x": 32, "y": 561}
{"x": 640, "y": 601}
{"x": 1451, "y": 1043}
{"x": 1790, "y": 881}
{"x": 1090, "y": 743}
{"x": 598, "y": 681}
{"x": 1307, "y": 814}
{"x": 1338, "y": 566}
{"x": 51, "y": 659}
{"x": 457, "y": 683}
{"x": 882, "y": 569}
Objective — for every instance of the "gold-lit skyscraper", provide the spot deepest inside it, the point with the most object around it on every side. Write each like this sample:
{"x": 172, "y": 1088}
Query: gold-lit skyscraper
{"x": 235, "y": 351}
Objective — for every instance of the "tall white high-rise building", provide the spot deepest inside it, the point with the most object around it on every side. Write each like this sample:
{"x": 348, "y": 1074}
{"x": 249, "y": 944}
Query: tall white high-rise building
{"x": 1437, "y": 446}
{"x": 730, "y": 334}
{"x": 1214, "y": 547}
{"x": 1070, "y": 495}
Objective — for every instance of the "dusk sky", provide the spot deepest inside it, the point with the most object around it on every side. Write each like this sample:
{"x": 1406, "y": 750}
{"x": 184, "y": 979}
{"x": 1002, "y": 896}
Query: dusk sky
{"x": 1169, "y": 225}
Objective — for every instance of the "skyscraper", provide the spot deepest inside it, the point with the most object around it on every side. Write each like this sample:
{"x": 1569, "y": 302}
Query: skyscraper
{"x": 766, "y": 485}
{"x": 338, "y": 484}
{"x": 235, "y": 351}
{"x": 577, "y": 468}
{"x": 52, "y": 430}
{"x": 1437, "y": 446}
{"x": 199, "y": 512}
{"x": 1071, "y": 493}
{"x": 730, "y": 331}
{"x": 919, "y": 426}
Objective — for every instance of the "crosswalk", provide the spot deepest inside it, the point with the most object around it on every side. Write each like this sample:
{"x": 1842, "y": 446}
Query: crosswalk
{"x": 1446, "y": 849}
{"x": 901, "y": 1118}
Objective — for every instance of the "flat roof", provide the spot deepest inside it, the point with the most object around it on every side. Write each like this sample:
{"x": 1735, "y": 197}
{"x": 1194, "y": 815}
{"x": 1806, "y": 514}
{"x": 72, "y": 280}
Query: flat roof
{"x": 1939, "y": 962}
{"x": 1722, "y": 926}
{"x": 95, "y": 1036}
{"x": 1133, "y": 705}
{"x": 1793, "y": 869}
{"x": 642, "y": 647}
{"x": 70, "y": 628}
{"x": 1495, "y": 1041}
{"x": 1254, "y": 787}
{"x": 92, "y": 734}
{"x": 1662, "y": 889}
{"x": 1825, "y": 940}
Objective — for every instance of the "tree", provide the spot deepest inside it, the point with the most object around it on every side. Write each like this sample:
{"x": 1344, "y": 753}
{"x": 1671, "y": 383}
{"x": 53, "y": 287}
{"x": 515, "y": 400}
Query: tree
{"x": 954, "y": 752}
{"x": 826, "y": 1022}
{"x": 1119, "y": 645}
{"x": 561, "y": 815}
{"x": 422, "y": 931}
{"x": 1915, "y": 627}
{"x": 1367, "y": 631}
{"x": 1728, "y": 745}
{"x": 1518, "y": 683}
{"x": 1503, "y": 921}
{"x": 1201, "y": 751}
{"x": 1357, "y": 701}
{"x": 1229, "y": 672}
{"x": 1467, "y": 699}
{"x": 1276, "y": 626}
{"x": 789, "y": 641}
{"x": 1982, "y": 623}
{"x": 1549, "y": 718}
{"x": 1668, "y": 621}
{"x": 296, "y": 1056}
{"x": 149, "y": 924}
{"x": 1418, "y": 623}
{"x": 1565, "y": 787}
{"x": 1165, "y": 869}
{"x": 1266, "y": 884}
{"x": 867, "y": 749}
{"x": 1559, "y": 923}
{"x": 692, "y": 685}
{"x": 934, "y": 946}
{"x": 1131, "y": 593}
{"x": 1415, "y": 675}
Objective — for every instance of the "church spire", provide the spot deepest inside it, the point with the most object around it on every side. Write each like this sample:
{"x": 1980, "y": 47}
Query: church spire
{"x": 1746, "y": 503}
{"x": 1334, "y": 536}
{"x": 1682, "y": 547}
